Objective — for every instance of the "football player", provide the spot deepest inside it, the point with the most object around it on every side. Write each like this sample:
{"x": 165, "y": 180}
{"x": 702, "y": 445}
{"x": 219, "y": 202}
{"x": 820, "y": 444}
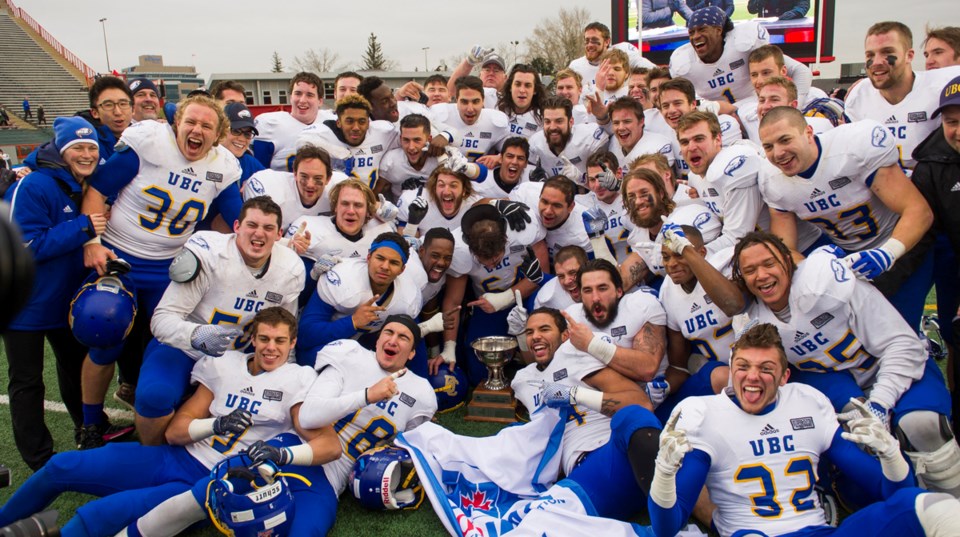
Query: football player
{"x": 218, "y": 283}
{"x": 522, "y": 100}
{"x": 761, "y": 478}
{"x": 447, "y": 197}
{"x": 475, "y": 130}
{"x": 240, "y": 399}
{"x": 298, "y": 193}
{"x": 410, "y": 160}
{"x": 562, "y": 142}
{"x": 276, "y": 145}
{"x": 630, "y": 140}
{"x": 561, "y": 219}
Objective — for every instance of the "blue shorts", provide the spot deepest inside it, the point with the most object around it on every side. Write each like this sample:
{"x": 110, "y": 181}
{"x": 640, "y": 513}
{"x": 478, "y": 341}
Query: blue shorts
{"x": 605, "y": 474}
{"x": 164, "y": 379}
{"x": 894, "y": 517}
{"x": 698, "y": 384}
{"x": 131, "y": 479}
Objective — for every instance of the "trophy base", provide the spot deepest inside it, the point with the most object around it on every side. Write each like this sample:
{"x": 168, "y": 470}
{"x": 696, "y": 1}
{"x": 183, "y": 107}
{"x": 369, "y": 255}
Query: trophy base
{"x": 497, "y": 406}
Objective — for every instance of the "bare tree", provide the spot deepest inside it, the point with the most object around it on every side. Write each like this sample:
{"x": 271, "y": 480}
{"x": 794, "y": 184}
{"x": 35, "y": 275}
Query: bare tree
{"x": 556, "y": 41}
{"x": 321, "y": 60}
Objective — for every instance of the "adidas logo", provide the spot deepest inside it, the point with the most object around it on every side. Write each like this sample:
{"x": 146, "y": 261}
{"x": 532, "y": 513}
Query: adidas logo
{"x": 468, "y": 135}
{"x": 769, "y": 429}
{"x": 188, "y": 171}
{"x": 891, "y": 119}
{"x": 67, "y": 209}
{"x": 718, "y": 72}
{"x": 816, "y": 192}
{"x": 956, "y": 187}
{"x": 695, "y": 307}
{"x": 249, "y": 391}
{"x": 800, "y": 335}
{"x": 252, "y": 294}
{"x": 361, "y": 152}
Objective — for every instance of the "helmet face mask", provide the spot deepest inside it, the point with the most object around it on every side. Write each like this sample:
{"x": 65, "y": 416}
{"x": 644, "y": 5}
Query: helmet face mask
{"x": 386, "y": 479}
{"x": 242, "y": 503}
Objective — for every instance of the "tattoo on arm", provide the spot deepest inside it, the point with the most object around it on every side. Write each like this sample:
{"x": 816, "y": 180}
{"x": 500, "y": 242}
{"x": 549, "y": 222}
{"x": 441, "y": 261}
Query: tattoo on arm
{"x": 609, "y": 407}
{"x": 651, "y": 339}
{"x": 638, "y": 272}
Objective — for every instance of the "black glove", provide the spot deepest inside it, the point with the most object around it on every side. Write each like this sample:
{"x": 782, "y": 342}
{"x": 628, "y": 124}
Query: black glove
{"x": 538, "y": 175}
{"x": 118, "y": 266}
{"x": 411, "y": 184}
{"x": 261, "y": 451}
{"x": 233, "y": 423}
{"x": 418, "y": 209}
{"x": 530, "y": 266}
{"x": 516, "y": 214}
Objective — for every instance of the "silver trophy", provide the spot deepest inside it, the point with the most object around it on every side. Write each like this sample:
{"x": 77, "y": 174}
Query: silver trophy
{"x": 493, "y": 352}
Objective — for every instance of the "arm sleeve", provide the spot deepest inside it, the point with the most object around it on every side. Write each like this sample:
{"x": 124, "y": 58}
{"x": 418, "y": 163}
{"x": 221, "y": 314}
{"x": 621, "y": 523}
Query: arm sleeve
{"x": 169, "y": 323}
{"x": 116, "y": 173}
{"x": 317, "y": 328}
{"x": 690, "y": 480}
{"x": 326, "y": 403}
{"x": 31, "y": 209}
{"x": 229, "y": 203}
{"x": 885, "y": 335}
{"x": 741, "y": 210}
{"x": 802, "y": 76}
{"x": 864, "y": 469}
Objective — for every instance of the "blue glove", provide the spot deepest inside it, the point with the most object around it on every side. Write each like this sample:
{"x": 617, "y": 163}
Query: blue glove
{"x": 657, "y": 390}
{"x": 595, "y": 221}
{"x": 214, "y": 339}
{"x": 877, "y": 410}
{"x": 869, "y": 264}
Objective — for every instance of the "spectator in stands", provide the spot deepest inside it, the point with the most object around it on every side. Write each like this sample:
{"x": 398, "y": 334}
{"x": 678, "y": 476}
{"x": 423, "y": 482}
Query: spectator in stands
{"x": 4, "y": 117}
{"x": 4, "y": 160}
{"x": 784, "y": 9}
{"x": 27, "y": 114}
{"x": 725, "y": 5}
{"x": 41, "y": 115}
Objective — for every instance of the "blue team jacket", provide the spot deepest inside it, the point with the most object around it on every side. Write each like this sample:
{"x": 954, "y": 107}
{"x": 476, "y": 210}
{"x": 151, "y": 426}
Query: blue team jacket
{"x": 52, "y": 226}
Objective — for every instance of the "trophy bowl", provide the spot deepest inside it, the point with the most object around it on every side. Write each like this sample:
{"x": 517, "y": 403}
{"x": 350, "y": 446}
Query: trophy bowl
{"x": 493, "y": 352}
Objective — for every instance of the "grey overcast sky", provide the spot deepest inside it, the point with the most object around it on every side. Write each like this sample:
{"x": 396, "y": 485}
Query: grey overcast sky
{"x": 216, "y": 40}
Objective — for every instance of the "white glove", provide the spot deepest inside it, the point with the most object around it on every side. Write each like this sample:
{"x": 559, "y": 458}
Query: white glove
{"x": 866, "y": 429}
{"x": 674, "y": 237}
{"x": 454, "y": 160}
{"x": 570, "y": 171}
{"x": 657, "y": 390}
{"x": 449, "y": 352}
{"x": 517, "y": 319}
{"x": 877, "y": 410}
{"x": 432, "y": 325}
{"x": 500, "y": 301}
{"x": 214, "y": 339}
{"x": 386, "y": 211}
{"x": 323, "y": 265}
{"x": 477, "y": 54}
{"x": 674, "y": 446}
{"x": 707, "y": 105}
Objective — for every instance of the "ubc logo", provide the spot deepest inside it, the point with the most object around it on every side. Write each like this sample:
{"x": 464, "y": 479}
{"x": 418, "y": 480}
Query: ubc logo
{"x": 839, "y": 271}
{"x": 247, "y": 305}
{"x": 245, "y": 403}
{"x": 735, "y": 165}
{"x": 808, "y": 346}
{"x": 699, "y": 322}
{"x": 701, "y": 220}
{"x": 721, "y": 81}
{"x": 822, "y": 204}
{"x": 773, "y": 445}
{"x": 243, "y": 113}
{"x": 84, "y": 131}
{"x": 878, "y": 138}
{"x": 184, "y": 183}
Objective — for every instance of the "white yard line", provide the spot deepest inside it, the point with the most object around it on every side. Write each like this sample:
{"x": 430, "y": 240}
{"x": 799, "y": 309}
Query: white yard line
{"x": 56, "y": 406}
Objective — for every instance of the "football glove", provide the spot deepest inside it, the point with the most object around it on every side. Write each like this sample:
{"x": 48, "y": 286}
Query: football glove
{"x": 515, "y": 213}
{"x": 233, "y": 423}
{"x": 214, "y": 339}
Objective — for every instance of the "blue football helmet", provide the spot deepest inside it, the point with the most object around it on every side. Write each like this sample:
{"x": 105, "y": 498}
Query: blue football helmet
{"x": 241, "y": 502}
{"x": 451, "y": 388}
{"x": 386, "y": 479}
{"x": 828, "y": 108}
{"x": 102, "y": 312}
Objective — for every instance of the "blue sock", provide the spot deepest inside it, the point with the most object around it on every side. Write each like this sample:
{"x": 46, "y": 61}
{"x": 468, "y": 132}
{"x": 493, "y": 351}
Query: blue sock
{"x": 92, "y": 414}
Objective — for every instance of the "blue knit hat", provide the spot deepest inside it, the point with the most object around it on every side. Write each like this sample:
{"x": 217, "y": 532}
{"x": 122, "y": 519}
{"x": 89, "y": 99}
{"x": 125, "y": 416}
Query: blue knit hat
{"x": 708, "y": 16}
{"x": 68, "y": 131}
{"x": 138, "y": 84}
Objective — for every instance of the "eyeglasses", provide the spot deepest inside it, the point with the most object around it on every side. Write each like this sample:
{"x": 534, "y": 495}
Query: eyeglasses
{"x": 110, "y": 105}
{"x": 246, "y": 133}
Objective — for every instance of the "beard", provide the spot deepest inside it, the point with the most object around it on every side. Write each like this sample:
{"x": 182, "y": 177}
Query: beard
{"x": 612, "y": 311}
{"x": 656, "y": 210}
{"x": 558, "y": 147}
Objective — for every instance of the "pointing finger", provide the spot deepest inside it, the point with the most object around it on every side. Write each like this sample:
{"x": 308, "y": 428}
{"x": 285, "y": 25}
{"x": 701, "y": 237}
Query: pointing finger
{"x": 672, "y": 423}
{"x": 397, "y": 374}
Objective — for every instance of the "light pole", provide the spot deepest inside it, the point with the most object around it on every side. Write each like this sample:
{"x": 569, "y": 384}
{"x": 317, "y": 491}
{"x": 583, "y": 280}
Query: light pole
{"x": 514, "y": 43}
{"x": 426, "y": 63}
{"x": 103, "y": 23}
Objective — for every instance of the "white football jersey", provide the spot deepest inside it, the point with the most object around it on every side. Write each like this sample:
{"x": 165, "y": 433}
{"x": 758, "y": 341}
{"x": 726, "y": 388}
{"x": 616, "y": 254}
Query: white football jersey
{"x": 395, "y": 168}
{"x": 373, "y": 425}
{"x": 730, "y": 133}
{"x": 553, "y": 295}
{"x": 581, "y": 116}
{"x": 479, "y": 139}
{"x": 225, "y": 291}
{"x": 634, "y": 311}
{"x": 586, "y": 429}
{"x": 910, "y": 121}
{"x": 747, "y": 112}
{"x": 505, "y": 274}
{"x": 381, "y": 137}
{"x": 157, "y": 211}
{"x": 835, "y": 193}
{"x": 588, "y": 71}
{"x": 434, "y": 218}
{"x": 729, "y": 189}
{"x": 585, "y": 140}
{"x": 761, "y": 478}
{"x": 649, "y": 143}
{"x": 282, "y": 189}
{"x": 416, "y": 273}
{"x": 689, "y": 214}
{"x": 653, "y": 122}
{"x": 729, "y": 77}
{"x": 347, "y": 286}
{"x": 571, "y": 232}
{"x": 616, "y": 230}
{"x": 489, "y": 185}
{"x": 281, "y": 129}
{"x": 326, "y": 239}
{"x": 840, "y": 323}
{"x": 708, "y": 329}
{"x": 268, "y": 396}
{"x": 525, "y": 124}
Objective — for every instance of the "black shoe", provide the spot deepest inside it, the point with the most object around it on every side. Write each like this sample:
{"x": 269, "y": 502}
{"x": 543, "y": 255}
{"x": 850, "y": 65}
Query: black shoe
{"x": 90, "y": 437}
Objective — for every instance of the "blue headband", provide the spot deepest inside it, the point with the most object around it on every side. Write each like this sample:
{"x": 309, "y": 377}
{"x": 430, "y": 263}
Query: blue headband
{"x": 708, "y": 16}
{"x": 393, "y": 246}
